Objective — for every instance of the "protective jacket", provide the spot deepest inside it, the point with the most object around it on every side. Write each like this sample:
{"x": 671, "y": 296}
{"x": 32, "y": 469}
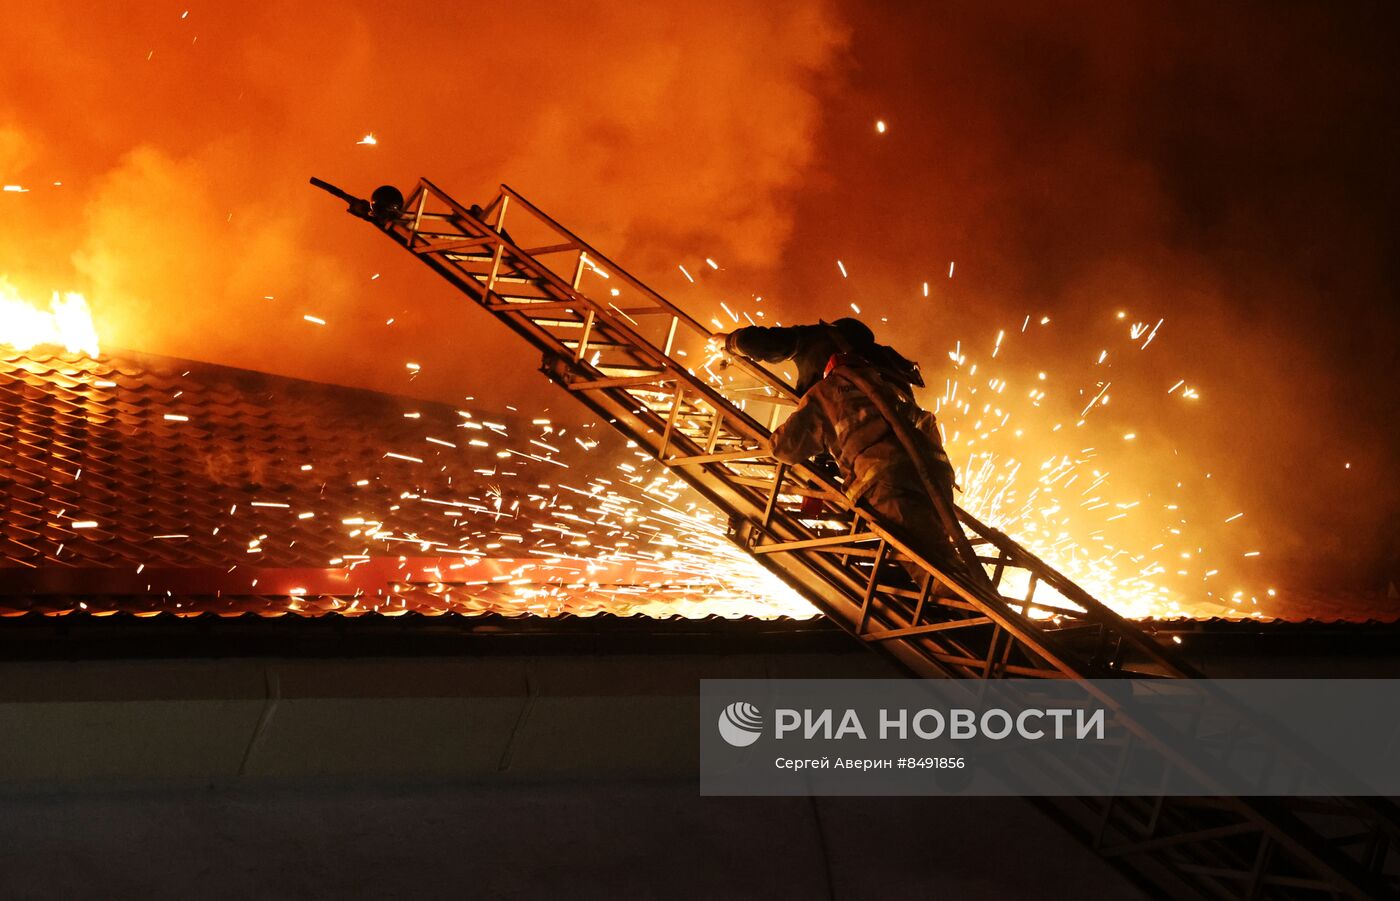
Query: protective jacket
{"x": 838, "y": 416}
{"x": 857, "y": 405}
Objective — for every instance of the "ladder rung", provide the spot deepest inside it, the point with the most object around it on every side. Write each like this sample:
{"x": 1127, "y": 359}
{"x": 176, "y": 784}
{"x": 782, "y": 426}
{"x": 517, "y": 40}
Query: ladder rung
{"x": 700, "y": 459}
{"x": 810, "y": 543}
{"x": 573, "y": 343}
{"x": 543, "y": 306}
{"x": 832, "y": 570}
{"x": 800, "y": 492}
{"x": 505, "y": 278}
{"x": 620, "y": 371}
{"x": 518, "y": 284}
{"x": 911, "y": 631}
{"x": 623, "y": 382}
{"x": 457, "y": 249}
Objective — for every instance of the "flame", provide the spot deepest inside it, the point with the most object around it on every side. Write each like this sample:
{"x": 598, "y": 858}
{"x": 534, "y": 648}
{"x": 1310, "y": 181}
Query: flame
{"x": 66, "y": 323}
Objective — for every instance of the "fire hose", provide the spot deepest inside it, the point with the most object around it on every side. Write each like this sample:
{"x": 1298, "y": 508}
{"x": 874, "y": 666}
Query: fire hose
{"x": 946, "y": 512}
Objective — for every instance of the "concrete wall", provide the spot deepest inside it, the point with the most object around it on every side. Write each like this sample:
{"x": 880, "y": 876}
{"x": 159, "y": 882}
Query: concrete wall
{"x": 506, "y": 776}
{"x": 219, "y": 723}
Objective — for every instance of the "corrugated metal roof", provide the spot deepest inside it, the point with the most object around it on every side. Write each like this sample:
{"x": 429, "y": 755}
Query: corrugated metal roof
{"x": 126, "y": 460}
{"x": 143, "y": 484}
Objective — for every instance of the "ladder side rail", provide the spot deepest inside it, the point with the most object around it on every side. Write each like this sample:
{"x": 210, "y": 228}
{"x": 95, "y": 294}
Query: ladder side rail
{"x": 1184, "y": 828}
{"x": 719, "y": 483}
{"x": 1094, "y": 610}
{"x": 817, "y": 575}
{"x": 816, "y": 578}
{"x": 536, "y": 335}
{"x": 1176, "y": 831}
{"x": 615, "y": 323}
{"x": 612, "y": 267}
{"x": 760, "y": 373}
{"x": 1154, "y": 650}
{"x": 585, "y": 249}
{"x": 517, "y": 316}
{"x": 1284, "y": 835}
{"x": 1156, "y": 874}
{"x": 1175, "y": 823}
{"x": 541, "y": 338}
{"x": 743, "y": 495}
{"x": 996, "y": 608}
{"x": 772, "y": 381}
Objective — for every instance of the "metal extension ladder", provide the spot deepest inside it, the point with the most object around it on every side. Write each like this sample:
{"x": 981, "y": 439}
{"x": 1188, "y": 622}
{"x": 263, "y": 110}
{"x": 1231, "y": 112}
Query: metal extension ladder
{"x": 648, "y": 368}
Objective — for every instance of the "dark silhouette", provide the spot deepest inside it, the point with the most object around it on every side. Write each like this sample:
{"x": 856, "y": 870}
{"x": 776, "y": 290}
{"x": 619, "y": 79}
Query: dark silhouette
{"x": 857, "y": 404}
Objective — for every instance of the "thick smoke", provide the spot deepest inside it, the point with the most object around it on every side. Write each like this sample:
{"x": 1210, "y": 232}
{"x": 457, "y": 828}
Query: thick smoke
{"x": 1228, "y": 168}
{"x": 184, "y": 143}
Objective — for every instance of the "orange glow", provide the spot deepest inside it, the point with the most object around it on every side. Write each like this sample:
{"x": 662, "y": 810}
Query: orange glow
{"x": 159, "y": 162}
{"x": 67, "y": 322}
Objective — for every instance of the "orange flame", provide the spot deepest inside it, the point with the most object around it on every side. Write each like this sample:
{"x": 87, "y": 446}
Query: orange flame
{"x": 66, "y": 323}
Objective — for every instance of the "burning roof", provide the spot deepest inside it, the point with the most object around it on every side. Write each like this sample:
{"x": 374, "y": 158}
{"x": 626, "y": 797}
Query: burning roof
{"x": 144, "y": 485}
{"x": 147, "y": 484}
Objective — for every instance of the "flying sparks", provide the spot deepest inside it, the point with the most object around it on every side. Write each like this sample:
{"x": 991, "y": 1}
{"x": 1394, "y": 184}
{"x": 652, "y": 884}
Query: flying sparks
{"x": 1128, "y": 545}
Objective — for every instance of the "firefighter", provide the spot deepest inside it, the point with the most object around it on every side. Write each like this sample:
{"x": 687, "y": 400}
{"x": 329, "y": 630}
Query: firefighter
{"x": 857, "y": 404}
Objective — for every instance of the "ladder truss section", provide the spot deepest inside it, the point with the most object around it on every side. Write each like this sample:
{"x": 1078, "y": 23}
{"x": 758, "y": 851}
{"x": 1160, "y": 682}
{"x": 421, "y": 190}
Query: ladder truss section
{"x": 656, "y": 374}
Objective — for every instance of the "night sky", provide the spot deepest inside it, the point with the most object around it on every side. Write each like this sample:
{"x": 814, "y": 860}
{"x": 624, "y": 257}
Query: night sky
{"x": 1228, "y": 170}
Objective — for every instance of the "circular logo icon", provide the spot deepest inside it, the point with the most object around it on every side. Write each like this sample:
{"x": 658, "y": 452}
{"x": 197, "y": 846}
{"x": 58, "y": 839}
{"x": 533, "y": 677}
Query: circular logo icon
{"x": 740, "y": 724}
